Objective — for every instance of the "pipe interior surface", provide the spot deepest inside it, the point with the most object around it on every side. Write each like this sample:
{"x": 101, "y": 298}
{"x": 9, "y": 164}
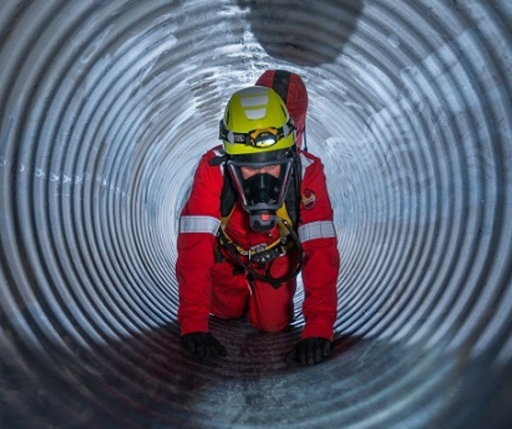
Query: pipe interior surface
{"x": 106, "y": 107}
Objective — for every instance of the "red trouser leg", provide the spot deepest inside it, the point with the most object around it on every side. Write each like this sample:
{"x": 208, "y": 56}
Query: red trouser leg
{"x": 229, "y": 291}
{"x": 270, "y": 309}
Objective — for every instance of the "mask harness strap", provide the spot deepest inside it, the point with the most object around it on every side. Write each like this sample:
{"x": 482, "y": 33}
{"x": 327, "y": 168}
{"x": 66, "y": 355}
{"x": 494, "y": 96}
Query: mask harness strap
{"x": 273, "y": 281}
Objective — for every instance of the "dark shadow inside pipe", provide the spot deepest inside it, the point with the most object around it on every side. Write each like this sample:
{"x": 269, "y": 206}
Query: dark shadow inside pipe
{"x": 298, "y": 32}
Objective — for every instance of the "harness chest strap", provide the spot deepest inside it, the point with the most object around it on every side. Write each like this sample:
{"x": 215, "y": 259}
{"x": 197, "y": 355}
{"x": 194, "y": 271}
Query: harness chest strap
{"x": 264, "y": 253}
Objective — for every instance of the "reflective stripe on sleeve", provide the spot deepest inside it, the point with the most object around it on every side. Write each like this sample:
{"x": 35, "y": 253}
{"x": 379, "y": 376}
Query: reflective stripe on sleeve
{"x": 205, "y": 224}
{"x": 314, "y": 230}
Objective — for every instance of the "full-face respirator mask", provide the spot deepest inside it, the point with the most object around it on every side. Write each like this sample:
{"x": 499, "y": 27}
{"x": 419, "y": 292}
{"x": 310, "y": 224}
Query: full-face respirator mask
{"x": 262, "y": 193}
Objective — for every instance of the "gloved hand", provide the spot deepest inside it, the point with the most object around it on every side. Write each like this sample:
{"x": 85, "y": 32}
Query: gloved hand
{"x": 310, "y": 351}
{"x": 203, "y": 345}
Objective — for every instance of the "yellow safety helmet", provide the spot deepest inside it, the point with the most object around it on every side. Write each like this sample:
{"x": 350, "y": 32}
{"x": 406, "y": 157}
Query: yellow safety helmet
{"x": 256, "y": 121}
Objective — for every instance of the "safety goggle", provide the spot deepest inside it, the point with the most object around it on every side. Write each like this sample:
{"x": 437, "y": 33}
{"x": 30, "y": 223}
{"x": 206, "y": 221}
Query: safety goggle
{"x": 260, "y": 138}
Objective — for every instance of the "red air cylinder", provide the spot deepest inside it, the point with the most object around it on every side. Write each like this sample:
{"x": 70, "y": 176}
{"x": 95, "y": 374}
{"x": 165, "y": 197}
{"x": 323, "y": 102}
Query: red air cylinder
{"x": 292, "y": 90}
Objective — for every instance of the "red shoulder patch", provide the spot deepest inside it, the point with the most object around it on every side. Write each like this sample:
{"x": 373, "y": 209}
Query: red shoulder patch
{"x": 308, "y": 199}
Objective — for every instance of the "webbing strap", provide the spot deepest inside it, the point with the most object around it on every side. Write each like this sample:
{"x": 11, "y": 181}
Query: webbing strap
{"x": 267, "y": 277}
{"x": 281, "y": 83}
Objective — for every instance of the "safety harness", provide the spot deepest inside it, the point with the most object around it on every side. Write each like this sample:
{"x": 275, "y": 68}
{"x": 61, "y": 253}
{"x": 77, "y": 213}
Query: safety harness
{"x": 262, "y": 256}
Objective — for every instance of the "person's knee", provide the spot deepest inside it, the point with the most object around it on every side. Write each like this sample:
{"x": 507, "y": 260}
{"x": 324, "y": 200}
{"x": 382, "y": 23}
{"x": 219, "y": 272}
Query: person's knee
{"x": 229, "y": 293}
{"x": 272, "y": 326}
{"x": 272, "y": 310}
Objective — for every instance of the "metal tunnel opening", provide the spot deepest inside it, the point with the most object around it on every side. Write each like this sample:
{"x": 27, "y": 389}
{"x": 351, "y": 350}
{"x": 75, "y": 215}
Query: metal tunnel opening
{"x": 106, "y": 107}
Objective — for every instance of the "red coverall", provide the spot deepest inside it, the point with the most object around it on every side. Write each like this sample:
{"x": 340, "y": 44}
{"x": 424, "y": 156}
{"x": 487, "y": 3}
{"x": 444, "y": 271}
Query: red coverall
{"x": 209, "y": 287}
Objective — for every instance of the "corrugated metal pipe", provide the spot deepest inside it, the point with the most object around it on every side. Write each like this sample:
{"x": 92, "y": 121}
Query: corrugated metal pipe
{"x": 106, "y": 107}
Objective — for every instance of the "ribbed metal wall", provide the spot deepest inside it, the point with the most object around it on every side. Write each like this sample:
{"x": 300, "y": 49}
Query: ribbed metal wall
{"x": 106, "y": 107}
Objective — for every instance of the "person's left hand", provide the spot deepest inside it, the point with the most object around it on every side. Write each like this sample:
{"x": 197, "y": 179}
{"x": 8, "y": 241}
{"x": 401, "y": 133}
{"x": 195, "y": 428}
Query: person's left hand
{"x": 310, "y": 351}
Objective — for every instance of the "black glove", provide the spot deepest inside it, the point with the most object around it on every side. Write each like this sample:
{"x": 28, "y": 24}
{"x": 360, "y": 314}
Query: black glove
{"x": 310, "y": 351}
{"x": 203, "y": 345}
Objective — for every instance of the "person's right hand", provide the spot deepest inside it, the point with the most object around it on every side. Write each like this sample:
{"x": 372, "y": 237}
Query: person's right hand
{"x": 203, "y": 345}
{"x": 310, "y": 351}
